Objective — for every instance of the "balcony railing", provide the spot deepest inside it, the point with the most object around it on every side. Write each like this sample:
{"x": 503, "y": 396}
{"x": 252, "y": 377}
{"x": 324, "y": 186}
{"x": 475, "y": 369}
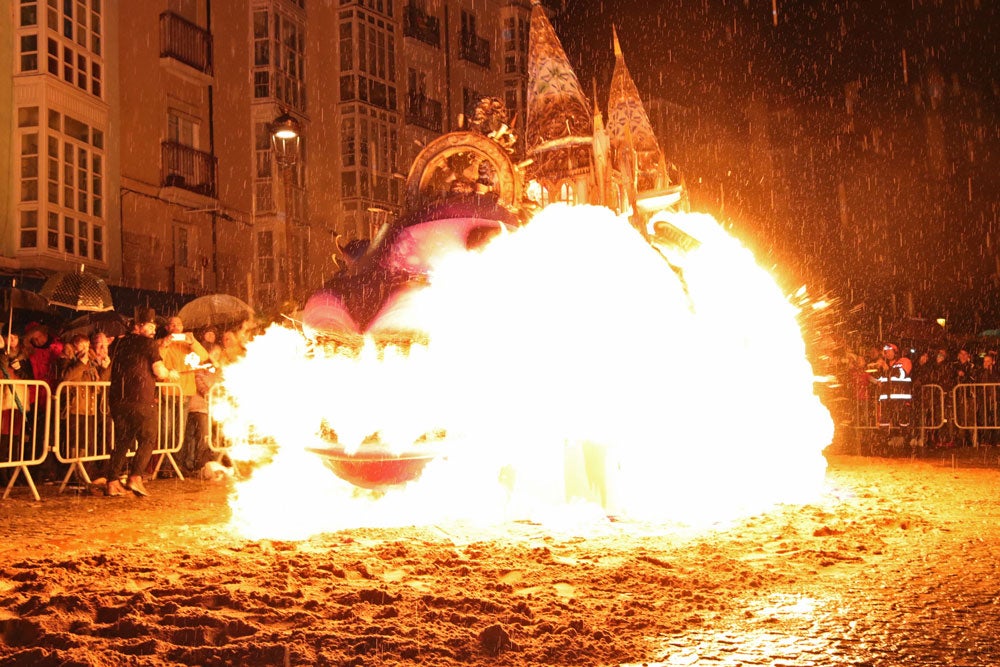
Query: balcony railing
{"x": 424, "y": 112}
{"x": 420, "y": 25}
{"x": 475, "y": 49}
{"x": 186, "y": 42}
{"x": 189, "y": 169}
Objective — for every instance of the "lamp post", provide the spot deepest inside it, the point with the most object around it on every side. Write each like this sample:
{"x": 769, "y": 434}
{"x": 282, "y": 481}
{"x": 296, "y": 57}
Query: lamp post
{"x": 286, "y": 134}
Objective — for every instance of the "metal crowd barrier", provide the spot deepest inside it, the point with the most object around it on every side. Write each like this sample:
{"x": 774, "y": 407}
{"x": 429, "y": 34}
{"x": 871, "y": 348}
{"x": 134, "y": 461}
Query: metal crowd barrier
{"x": 24, "y": 428}
{"x": 170, "y": 433}
{"x": 967, "y": 407}
{"x": 83, "y": 431}
{"x": 975, "y": 409}
{"x": 76, "y": 426}
{"x": 218, "y": 402}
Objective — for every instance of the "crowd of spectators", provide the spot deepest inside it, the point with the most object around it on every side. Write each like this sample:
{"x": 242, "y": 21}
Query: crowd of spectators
{"x": 865, "y": 401}
{"x": 151, "y": 349}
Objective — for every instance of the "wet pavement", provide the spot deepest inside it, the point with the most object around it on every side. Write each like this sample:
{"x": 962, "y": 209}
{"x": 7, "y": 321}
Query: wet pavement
{"x": 928, "y": 595}
{"x": 897, "y": 564}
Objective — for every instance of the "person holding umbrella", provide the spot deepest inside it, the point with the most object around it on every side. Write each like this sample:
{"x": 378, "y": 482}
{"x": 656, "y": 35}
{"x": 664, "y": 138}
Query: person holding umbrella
{"x": 135, "y": 368}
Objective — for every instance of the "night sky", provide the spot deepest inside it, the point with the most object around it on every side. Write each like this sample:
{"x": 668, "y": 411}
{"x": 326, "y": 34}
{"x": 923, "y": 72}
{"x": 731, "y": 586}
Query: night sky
{"x": 893, "y": 210}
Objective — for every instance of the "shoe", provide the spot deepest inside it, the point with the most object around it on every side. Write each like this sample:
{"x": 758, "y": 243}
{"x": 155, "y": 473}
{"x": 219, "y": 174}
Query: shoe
{"x": 135, "y": 486}
{"x": 114, "y": 489}
{"x": 98, "y": 486}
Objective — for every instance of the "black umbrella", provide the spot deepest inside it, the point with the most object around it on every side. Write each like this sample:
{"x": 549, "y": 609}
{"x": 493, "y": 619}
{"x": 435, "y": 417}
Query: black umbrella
{"x": 22, "y": 306}
{"x": 78, "y": 290}
{"x": 108, "y": 322}
{"x": 15, "y": 298}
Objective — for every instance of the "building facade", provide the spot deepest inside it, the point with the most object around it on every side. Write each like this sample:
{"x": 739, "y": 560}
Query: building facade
{"x": 140, "y": 141}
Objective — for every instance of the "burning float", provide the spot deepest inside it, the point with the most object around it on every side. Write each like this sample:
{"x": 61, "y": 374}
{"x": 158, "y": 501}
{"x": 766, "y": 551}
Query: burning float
{"x": 462, "y": 190}
{"x": 490, "y": 349}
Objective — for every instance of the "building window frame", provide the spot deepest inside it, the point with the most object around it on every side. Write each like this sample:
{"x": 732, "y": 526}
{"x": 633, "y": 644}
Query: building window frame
{"x": 63, "y": 211}
{"x": 74, "y": 44}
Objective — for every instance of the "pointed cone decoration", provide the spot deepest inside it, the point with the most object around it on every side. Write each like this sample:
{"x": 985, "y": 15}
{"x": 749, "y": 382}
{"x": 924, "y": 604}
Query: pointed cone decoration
{"x": 628, "y": 123}
{"x": 557, "y": 107}
{"x": 598, "y": 117}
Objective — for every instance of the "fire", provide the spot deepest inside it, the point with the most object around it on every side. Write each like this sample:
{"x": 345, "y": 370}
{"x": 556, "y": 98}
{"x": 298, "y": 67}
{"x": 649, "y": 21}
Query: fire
{"x": 574, "y": 373}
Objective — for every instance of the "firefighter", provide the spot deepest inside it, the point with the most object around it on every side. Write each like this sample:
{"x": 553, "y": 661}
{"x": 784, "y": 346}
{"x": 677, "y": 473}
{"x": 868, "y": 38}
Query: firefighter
{"x": 895, "y": 397}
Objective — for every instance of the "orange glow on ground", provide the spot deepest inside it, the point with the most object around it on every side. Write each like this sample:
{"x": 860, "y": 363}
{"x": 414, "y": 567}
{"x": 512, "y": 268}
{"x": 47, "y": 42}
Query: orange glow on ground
{"x": 576, "y": 375}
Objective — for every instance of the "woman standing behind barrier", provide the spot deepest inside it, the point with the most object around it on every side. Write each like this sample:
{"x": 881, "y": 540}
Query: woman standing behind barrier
{"x": 79, "y": 413}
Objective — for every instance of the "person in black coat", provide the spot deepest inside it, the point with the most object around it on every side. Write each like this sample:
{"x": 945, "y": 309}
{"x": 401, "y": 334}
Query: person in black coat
{"x": 135, "y": 368}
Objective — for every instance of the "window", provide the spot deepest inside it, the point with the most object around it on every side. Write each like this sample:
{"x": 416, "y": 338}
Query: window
{"x": 263, "y": 185}
{"x": 29, "y": 167}
{"x": 28, "y": 130}
{"x": 181, "y": 129}
{"x": 265, "y": 257}
{"x": 567, "y": 193}
{"x": 72, "y": 186}
{"x": 29, "y": 53}
{"x": 468, "y": 23}
{"x": 346, "y": 47}
{"x": 261, "y": 45}
{"x": 510, "y": 99}
{"x": 73, "y": 44}
{"x": 376, "y": 60}
{"x": 29, "y": 228}
{"x": 348, "y": 184}
{"x": 29, "y": 13}
{"x": 347, "y": 145}
{"x": 278, "y": 51}
{"x": 509, "y": 35}
{"x": 182, "y": 246}
{"x": 370, "y": 155}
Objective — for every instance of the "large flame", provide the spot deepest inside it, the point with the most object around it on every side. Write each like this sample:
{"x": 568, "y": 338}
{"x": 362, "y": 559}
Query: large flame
{"x": 575, "y": 372}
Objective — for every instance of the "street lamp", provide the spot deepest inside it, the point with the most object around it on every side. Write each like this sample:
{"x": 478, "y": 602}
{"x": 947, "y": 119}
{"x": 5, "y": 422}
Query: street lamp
{"x": 286, "y": 135}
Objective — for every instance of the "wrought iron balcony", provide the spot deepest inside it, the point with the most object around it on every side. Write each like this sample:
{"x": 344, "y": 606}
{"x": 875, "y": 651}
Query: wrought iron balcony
{"x": 185, "y": 42}
{"x": 475, "y": 49}
{"x": 424, "y": 112}
{"x": 421, "y": 25}
{"x": 187, "y": 168}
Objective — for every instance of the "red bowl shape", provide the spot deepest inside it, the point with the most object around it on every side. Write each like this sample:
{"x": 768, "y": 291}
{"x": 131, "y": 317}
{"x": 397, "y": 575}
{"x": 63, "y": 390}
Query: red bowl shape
{"x": 374, "y": 466}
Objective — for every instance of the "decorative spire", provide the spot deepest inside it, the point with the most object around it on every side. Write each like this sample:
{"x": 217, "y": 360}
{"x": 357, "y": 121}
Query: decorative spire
{"x": 557, "y": 107}
{"x": 628, "y": 123}
{"x": 602, "y": 155}
{"x": 598, "y": 118}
